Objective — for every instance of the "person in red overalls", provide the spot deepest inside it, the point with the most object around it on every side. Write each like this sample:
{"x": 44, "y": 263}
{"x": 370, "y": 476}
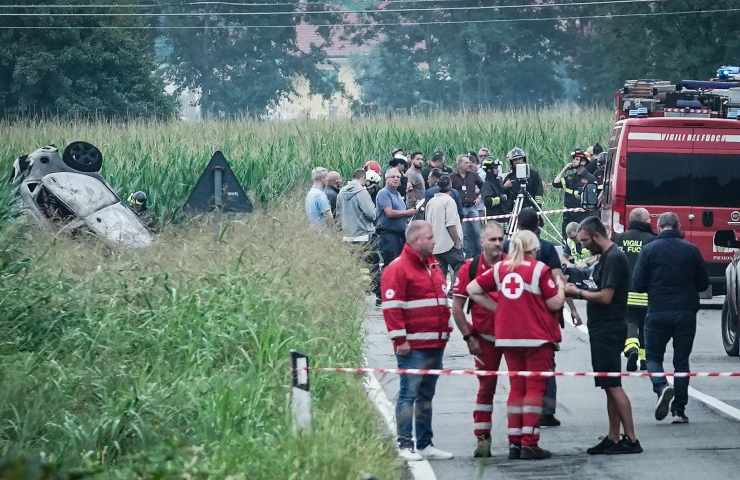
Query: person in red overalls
{"x": 480, "y": 335}
{"x": 527, "y": 331}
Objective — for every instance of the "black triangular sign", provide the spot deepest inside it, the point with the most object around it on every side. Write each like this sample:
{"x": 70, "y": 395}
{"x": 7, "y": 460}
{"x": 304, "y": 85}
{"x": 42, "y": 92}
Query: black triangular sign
{"x": 205, "y": 198}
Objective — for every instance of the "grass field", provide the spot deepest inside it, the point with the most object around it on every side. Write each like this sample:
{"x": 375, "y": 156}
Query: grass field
{"x": 273, "y": 158}
{"x": 172, "y": 363}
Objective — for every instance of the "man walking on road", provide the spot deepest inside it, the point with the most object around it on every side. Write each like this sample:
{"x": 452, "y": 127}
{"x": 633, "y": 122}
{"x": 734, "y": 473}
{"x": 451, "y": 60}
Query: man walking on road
{"x": 672, "y": 272}
{"x": 606, "y": 309}
{"x": 441, "y": 212}
{"x": 417, "y": 317}
{"x": 638, "y": 235}
{"x": 479, "y": 335}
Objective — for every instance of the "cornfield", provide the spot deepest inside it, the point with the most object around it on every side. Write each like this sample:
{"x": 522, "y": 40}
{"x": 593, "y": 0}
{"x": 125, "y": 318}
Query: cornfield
{"x": 165, "y": 159}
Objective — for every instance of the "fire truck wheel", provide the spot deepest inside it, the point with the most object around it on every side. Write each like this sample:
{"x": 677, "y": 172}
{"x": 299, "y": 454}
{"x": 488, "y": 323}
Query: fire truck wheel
{"x": 83, "y": 156}
{"x": 729, "y": 330}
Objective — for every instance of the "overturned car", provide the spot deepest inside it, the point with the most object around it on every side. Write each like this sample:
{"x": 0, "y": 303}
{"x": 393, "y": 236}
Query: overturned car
{"x": 66, "y": 194}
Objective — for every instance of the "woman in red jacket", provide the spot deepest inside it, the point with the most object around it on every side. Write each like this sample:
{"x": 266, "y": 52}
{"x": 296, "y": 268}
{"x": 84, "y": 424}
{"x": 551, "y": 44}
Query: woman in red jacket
{"x": 527, "y": 331}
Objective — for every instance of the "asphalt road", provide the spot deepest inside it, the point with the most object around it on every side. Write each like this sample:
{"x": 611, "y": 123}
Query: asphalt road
{"x": 707, "y": 448}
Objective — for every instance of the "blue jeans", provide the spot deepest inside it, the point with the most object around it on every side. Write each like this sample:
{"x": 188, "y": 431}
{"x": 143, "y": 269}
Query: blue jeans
{"x": 471, "y": 233}
{"x": 660, "y": 327}
{"x": 417, "y": 391}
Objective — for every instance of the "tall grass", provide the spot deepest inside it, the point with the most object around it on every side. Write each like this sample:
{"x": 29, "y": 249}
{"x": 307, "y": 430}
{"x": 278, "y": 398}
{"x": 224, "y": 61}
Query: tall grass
{"x": 271, "y": 158}
{"x": 173, "y": 362}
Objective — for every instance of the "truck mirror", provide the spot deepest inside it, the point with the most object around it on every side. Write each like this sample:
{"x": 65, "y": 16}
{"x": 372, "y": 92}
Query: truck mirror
{"x": 726, "y": 238}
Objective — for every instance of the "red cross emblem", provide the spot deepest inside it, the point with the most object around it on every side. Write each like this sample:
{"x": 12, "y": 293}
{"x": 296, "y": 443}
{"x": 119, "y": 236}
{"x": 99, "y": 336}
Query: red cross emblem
{"x": 513, "y": 286}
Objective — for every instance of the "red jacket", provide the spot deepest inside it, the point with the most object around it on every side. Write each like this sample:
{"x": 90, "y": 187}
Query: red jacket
{"x": 483, "y": 319}
{"x": 414, "y": 301}
{"x": 522, "y": 318}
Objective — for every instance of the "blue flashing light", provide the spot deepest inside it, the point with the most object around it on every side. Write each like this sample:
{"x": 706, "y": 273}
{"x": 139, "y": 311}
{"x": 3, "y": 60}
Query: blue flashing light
{"x": 727, "y": 72}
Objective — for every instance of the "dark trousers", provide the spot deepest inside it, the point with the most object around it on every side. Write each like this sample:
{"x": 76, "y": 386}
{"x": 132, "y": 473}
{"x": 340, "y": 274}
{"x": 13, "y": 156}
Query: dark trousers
{"x": 390, "y": 245}
{"x": 660, "y": 328}
{"x": 450, "y": 260}
{"x": 635, "y": 328}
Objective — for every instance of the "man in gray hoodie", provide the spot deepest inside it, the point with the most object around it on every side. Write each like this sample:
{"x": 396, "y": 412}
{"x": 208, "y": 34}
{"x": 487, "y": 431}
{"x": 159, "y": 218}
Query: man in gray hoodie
{"x": 356, "y": 218}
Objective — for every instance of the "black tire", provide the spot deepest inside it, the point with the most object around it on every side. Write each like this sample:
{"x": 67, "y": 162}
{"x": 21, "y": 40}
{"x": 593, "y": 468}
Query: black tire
{"x": 729, "y": 330}
{"x": 83, "y": 156}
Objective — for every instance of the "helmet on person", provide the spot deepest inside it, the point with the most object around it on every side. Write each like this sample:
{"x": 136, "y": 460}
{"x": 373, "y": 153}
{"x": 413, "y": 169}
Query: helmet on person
{"x": 578, "y": 153}
{"x": 137, "y": 200}
{"x": 516, "y": 153}
{"x": 372, "y": 165}
{"x": 372, "y": 178}
{"x": 491, "y": 163}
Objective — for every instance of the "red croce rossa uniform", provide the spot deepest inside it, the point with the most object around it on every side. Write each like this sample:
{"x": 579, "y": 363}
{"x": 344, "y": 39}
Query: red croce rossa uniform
{"x": 522, "y": 295}
{"x": 414, "y": 301}
{"x": 526, "y": 330}
{"x": 490, "y": 356}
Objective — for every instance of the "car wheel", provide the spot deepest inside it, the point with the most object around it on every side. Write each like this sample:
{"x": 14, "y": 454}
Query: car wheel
{"x": 729, "y": 330}
{"x": 83, "y": 156}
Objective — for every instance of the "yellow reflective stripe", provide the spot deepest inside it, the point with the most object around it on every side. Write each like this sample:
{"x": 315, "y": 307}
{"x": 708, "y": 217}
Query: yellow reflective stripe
{"x": 637, "y": 299}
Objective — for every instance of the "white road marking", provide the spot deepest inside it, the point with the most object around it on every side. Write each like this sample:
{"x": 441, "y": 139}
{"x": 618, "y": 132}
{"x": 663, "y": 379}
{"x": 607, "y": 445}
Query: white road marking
{"x": 708, "y": 400}
{"x": 421, "y": 470}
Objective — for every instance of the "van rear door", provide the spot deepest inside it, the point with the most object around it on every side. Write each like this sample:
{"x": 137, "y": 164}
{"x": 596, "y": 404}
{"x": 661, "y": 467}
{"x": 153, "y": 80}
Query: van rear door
{"x": 659, "y": 172}
{"x": 715, "y": 172}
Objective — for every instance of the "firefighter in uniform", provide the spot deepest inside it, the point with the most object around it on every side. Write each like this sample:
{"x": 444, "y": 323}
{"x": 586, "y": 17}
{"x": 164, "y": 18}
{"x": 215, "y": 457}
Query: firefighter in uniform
{"x": 416, "y": 314}
{"x": 479, "y": 335}
{"x": 631, "y": 242}
{"x": 527, "y": 330}
{"x": 493, "y": 192}
{"x": 571, "y": 180}
{"x": 533, "y": 183}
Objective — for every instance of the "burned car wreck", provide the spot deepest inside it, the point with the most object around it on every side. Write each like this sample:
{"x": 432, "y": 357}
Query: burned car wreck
{"x": 66, "y": 194}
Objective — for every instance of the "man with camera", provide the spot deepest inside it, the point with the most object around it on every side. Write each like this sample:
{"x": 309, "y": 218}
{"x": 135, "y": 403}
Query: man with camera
{"x": 572, "y": 179}
{"x": 523, "y": 179}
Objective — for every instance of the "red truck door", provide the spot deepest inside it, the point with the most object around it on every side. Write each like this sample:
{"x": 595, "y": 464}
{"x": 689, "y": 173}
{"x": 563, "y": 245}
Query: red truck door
{"x": 716, "y": 192}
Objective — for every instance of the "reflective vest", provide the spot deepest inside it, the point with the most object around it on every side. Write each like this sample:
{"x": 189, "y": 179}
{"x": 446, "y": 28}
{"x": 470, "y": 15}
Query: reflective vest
{"x": 578, "y": 257}
{"x": 414, "y": 302}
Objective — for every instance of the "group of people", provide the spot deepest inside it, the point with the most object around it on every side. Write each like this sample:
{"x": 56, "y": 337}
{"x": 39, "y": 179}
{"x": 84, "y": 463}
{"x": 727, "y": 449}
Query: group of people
{"x": 507, "y": 305}
{"x": 641, "y": 289}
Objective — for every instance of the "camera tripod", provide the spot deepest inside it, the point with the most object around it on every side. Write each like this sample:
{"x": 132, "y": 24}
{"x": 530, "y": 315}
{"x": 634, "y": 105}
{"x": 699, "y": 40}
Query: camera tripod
{"x": 518, "y": 205}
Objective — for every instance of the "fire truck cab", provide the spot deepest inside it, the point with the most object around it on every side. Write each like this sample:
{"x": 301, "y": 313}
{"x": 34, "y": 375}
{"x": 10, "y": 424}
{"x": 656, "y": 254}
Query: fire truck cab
{"x": 677, "y": 149}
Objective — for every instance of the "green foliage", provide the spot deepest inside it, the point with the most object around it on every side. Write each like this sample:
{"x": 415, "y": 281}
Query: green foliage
{"x": 173, "y": 362}
{"x": 78, "y": 72}
{"x": 459, "y": 66}
{"x": 243, "y": 71}
{"x": 272, "y": 158}
{"x": 606, "y": 52}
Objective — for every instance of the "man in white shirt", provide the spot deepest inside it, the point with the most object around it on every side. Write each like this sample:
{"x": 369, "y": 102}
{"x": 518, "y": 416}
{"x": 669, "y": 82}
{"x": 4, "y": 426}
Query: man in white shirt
{"x": 441, "y": 212}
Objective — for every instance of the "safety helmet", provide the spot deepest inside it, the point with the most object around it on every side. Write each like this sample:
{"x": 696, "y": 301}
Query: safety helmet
{"x": 372, "y": 165}
{"x": 372, "y": 178}
{"x": 578, "y": 153}
{"x": 137, "y": 199}
{"x": 515, "y": 154}
{"x": 491, "y": 163}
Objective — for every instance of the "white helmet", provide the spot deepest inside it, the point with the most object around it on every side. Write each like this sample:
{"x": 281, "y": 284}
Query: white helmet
{"x": 372, "y": 177}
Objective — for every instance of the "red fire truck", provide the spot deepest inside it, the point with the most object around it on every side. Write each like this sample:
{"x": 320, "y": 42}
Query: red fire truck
{"x": 674, "y": 148}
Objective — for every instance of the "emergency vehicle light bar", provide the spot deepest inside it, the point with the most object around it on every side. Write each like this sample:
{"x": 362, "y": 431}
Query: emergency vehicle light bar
{"x": 688, "y": 112}
{"x": 639, "y": 112}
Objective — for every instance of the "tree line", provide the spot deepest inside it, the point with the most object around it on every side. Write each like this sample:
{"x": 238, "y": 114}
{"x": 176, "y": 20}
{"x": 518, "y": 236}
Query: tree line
{"x": 133, "y": 60}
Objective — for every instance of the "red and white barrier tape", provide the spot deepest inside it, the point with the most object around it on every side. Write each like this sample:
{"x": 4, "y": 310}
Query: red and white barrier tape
{"x": 521, "y": 373}
{"x": 545, "y": 212}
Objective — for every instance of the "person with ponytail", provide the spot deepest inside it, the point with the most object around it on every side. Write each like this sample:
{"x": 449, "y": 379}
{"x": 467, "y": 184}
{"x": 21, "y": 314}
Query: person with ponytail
{"x": 526, "y": 329}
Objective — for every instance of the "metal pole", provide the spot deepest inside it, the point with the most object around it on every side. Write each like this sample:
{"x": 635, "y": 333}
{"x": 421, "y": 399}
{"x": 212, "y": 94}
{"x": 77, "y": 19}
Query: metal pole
{"x": 301, "y": 395}
{"x": 218, "y": 190}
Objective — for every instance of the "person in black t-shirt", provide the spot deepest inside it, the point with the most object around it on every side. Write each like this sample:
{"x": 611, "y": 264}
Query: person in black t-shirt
{"x": 606, "y": 310}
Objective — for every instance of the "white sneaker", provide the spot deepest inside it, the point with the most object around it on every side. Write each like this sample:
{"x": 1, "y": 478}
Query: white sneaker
{"x": 433, "y": 453}
{"x": 409, "y": 455}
